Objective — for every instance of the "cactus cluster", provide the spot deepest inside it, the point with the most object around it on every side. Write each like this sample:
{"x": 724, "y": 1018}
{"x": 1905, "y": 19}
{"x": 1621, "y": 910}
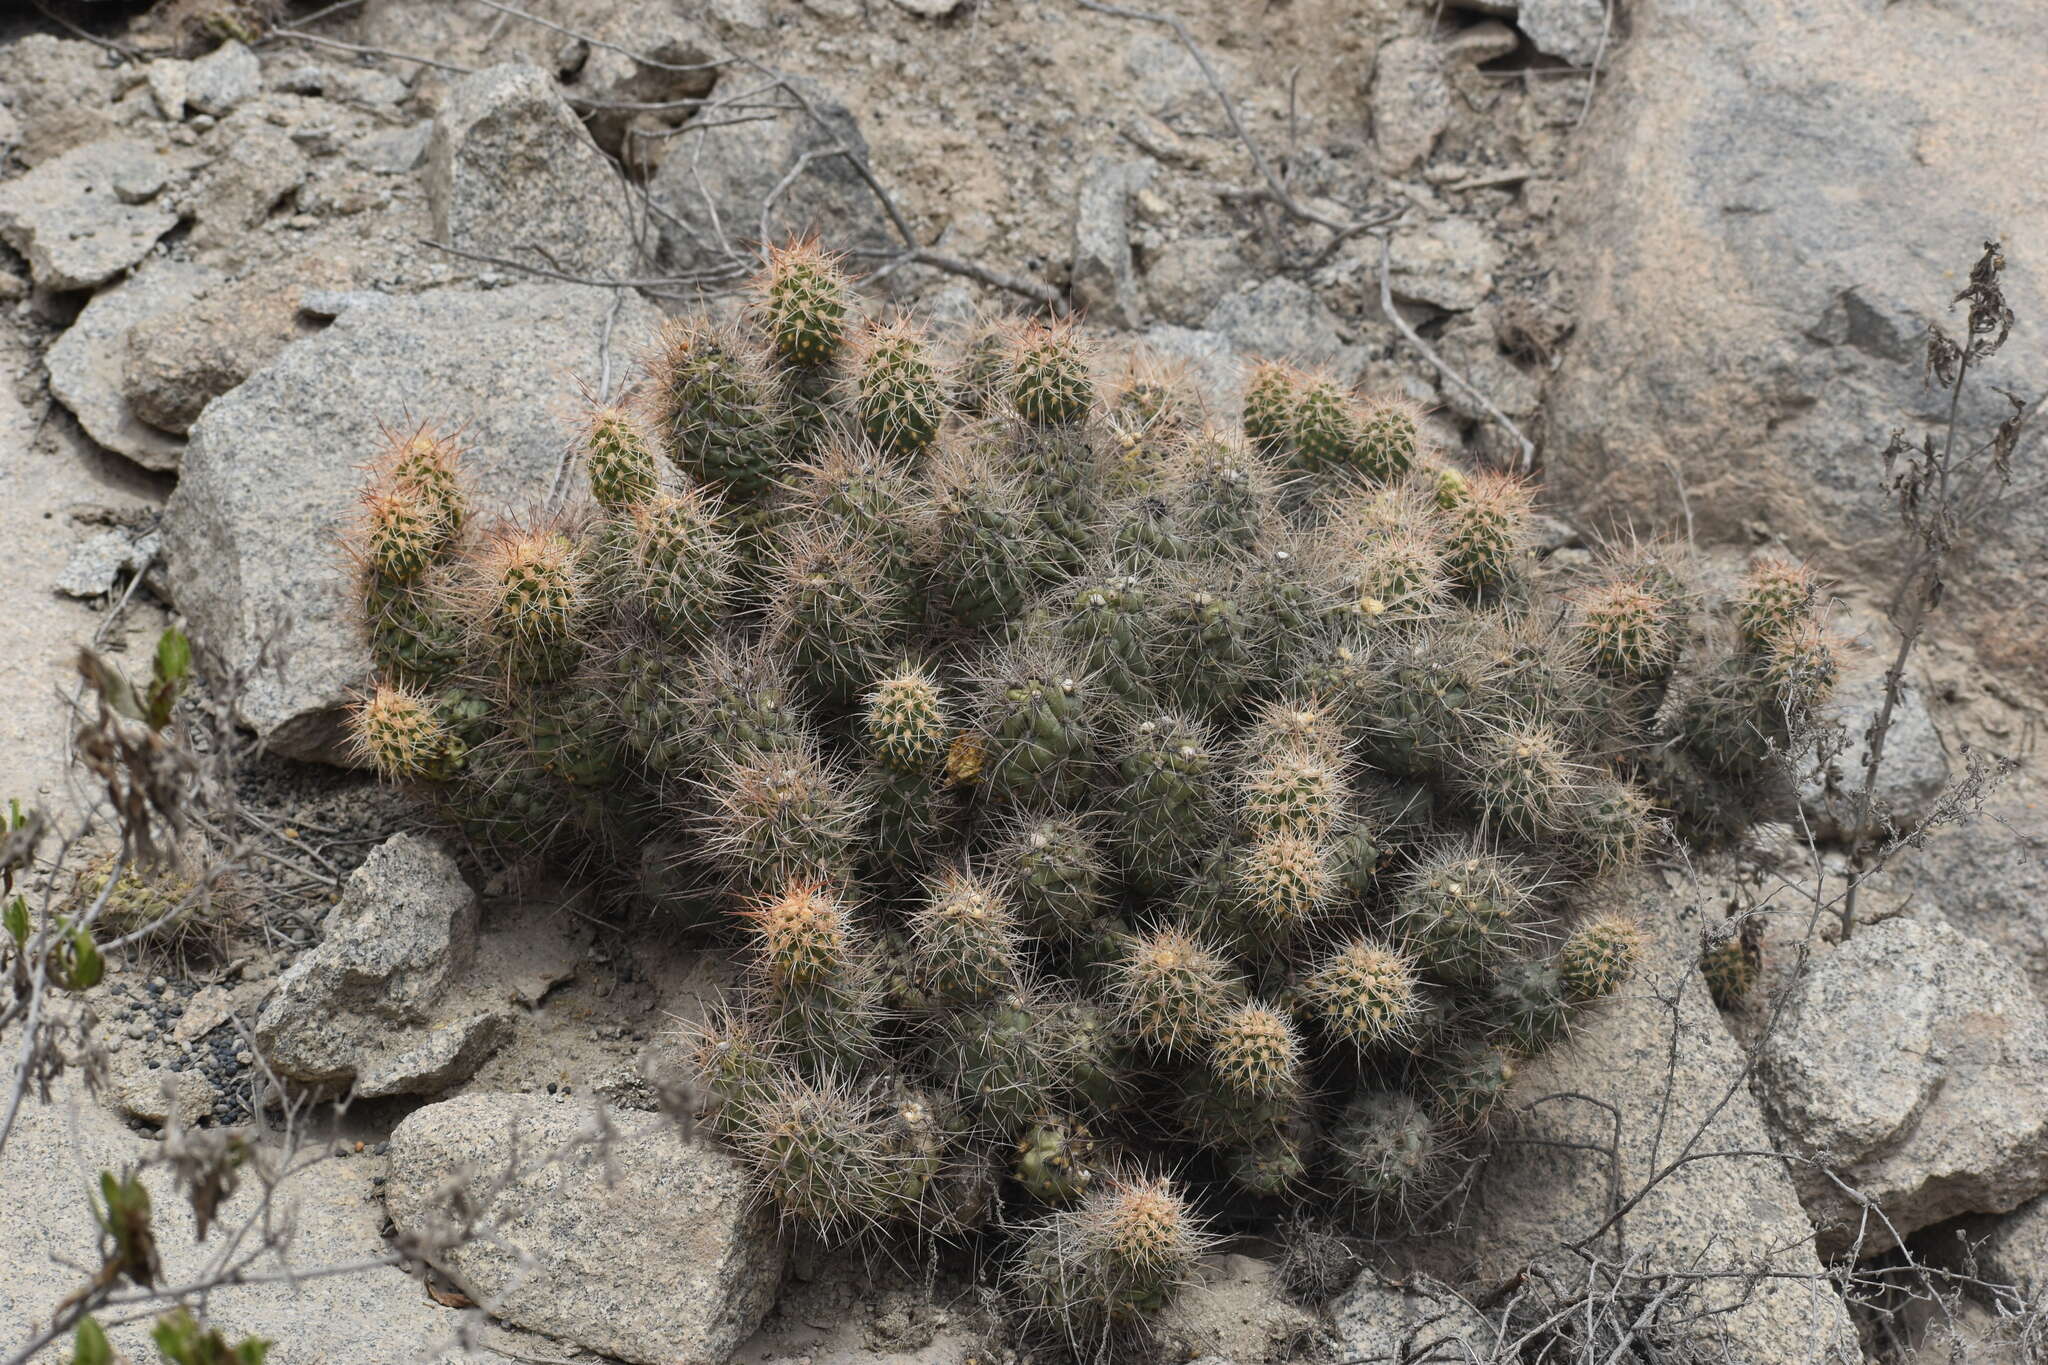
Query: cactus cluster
{"x": 1089, "y": 789}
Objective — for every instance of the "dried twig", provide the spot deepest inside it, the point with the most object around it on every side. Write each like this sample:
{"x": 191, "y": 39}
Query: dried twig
{"x": 1394, "y": 316}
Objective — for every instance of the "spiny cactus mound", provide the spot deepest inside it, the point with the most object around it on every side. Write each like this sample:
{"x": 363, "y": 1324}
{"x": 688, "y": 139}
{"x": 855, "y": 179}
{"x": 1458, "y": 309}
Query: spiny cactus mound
{"x": 1086, "y": 786}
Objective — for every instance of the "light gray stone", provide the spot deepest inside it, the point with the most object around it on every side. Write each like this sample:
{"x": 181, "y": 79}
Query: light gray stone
{"x": 270, "y": 479}
{"x": 373, "y": 1007}
{"x": 1773, "y": 199}
{"x": 223, "y": 80}
{"x": 1235, "y": 1310}
{"x": 1482, "y": 42}
{"x": 177, "y": 360}
{"x": 652, "y": 1250}
{"x": 715, "y": 181}
{"x": 59, "y": 92}
{"x": 1411, "y": 102}
{"x": 1185, "y": 279}
{"x": 250, "y": 180}
{"x": 1569, "y": 29}
{"x": 1102, "y": 282}
{"x": 98, "y": 562}
{"x": 53, "y": 1161}
{"x": 66, "y": 217}
{"x": 1913, "y": 1062}
{"x": 87, "y": 364}
{"x": 929, "y": 9}
{"x": 1664, "y": 1073}
{"x": 393, "y": 151}
{"x": 169, "y": 81}
{"x": 1416, "y": 1322}
{"x": 1915, "y": 766}
{"x": 1468, "y": 346}
{"x": 1446, "y": 264}
{"x": 1281, "y": 319}
{"x": 511, "y": 172}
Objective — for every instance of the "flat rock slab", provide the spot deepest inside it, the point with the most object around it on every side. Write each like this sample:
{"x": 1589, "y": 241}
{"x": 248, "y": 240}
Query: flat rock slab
{"x": 650, "y": 1250}
{"x": 1662, "y": 1074}
{"x": 88, "y": 363}
{"x": 1912, "y": 1062}
{"x": 270, "y": 477}
{"x": 84, "y": 217}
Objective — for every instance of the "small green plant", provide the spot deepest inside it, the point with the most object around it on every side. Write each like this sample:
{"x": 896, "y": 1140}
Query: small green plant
{"x": 1086, "y": 787}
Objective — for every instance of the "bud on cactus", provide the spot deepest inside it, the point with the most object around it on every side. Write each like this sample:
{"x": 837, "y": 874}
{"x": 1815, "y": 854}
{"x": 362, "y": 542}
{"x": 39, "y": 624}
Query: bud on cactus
{"x": 1281, "y": 884}
{"x": 1522, "y": 781}
{"x": 1800, "y": 666}
{"x": 1391, "y": 441}
{"x": 1055, "y": 1161}
{"x": 1462, "y": 912}
{"x": 679, "y": 565}
{"x": 1207, "y": 642}
{"x": 1223, "y": 493}
{"x": 1366, "y": 994}
{"x": 803, "y": 938}
{"x": 1776, "y": 596}
{"x": 531, "y": 602}
{"x": 1529, "y": 1009}
{"x": 1269, "y": 404}
{"x": 1730, "y": 963}
{"x": 1486, "y": 534}
{"x": 712, "y": 406}
{"x": 424, "y": 464}
{"x": 824, "y": 1152}
{"x": 1599, "y": 957}
{"x": 900, "y": 400}
{"x": 402, "y": 533}
{"x": 738, "y": 1063}
{"x": 1107, "y": 622}
{"x": 397, "y": 731}
{"x": 1037, "y": 714}
{"x": 1055, "y": 873}
{"x": 966, "y": 939}
{"x": 1328, "y": 434}
{"x": 1387, "y": 1150}
{"x": 1254, "y": 1053}
{"x": 1626, "y": 631}
{"x": 1299, "y": 790}
{"x": 1612, "y": 824}
{"x": 1049, "y": 380}
{"x": 1395, "y": 579}
{"x": 905, "y": 722}
{"x": 1167, "y": 808}
{"x": 802, "y": 300}
{"x": 1116, "y": 1258}
{"x": 618, "y": 459}
{"x": 778, "y": 816}
{"x": 1469, "y": 1087}
{"x": 1172, "y": 990}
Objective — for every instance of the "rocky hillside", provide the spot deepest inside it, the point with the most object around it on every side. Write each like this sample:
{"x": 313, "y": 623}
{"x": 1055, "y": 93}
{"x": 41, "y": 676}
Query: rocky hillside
{"x": 1674, "y": 262}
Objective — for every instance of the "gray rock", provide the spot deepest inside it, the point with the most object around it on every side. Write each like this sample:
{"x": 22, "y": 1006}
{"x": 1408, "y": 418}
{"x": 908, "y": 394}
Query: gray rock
{"x": 68, "y": 219}
{"x": 1102, "y": 283}
{"x": 1411, "y": 102}
{"x": 98, "y": 563}
{"x": 393, "y": 151}
{"x": 1184, "y": 279}
{"x": 1482, "y": 42}
{"x": 54, "y": 1157}
{"x": 511, "y": 172}
{"x": 1782, "y": 152}
{"x": 270, "y": 480}
{"x": 1664, "y": 1073}
{"x": 372, "y": 1007}
{"x": 240, "y": 189}
{"x": 60, "y": 93}
{"x": 1468, "y": 346}
{"x": 1282, "y": 319}
{"x": 177, "y": 360}
{"x": 652, "y": 1250}
{"x": 156, "y": 1095}
{"x": 1569, "y": 29}
{"x": 87, "y": 364}
{"x": 1417, "y": 1322}
{"x": 1214, "y": 366}
{"x": 1446, "y": 264}
{"x": 1915, "y": 766}
{"x": 929, "y": 9}
{"x": 170, "y": 82}
{"x": 223, "y": 79}
{"x": 1236, "y": 1311}
{"x": 715, "y": 181}
{"x": 1913, "y": 1060}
